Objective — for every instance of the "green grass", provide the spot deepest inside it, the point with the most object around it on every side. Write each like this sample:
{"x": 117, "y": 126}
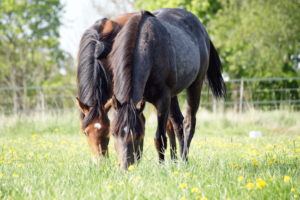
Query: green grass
{"x": 56, "y": 163}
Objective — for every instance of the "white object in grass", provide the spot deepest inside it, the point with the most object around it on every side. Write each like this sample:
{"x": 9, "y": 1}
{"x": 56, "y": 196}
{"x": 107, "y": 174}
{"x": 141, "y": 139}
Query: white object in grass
{"x": 255, "y": 134}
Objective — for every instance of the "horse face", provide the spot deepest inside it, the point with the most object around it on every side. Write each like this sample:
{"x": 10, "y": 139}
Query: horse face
{"x": 97, "y": 135}
{"x": 127, "y": 151}
{"x": 128, "y": 129}
{"x": 97, "y": 132}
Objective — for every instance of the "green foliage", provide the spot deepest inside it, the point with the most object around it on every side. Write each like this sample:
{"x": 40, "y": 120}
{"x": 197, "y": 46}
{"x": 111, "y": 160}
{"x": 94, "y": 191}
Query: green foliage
{"x": 204, "y": 10}
{"x": 30, "y": 54}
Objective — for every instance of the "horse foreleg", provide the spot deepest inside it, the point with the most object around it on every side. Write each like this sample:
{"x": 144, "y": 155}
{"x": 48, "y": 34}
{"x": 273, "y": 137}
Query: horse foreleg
{"x": 160, "y": 140}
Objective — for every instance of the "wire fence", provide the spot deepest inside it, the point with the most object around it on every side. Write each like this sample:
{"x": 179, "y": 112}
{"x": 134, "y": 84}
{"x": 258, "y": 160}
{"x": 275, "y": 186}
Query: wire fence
{"x": 242, "y": 94}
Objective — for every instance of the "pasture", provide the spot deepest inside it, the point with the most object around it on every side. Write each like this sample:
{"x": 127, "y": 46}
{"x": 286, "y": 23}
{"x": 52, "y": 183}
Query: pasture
{"x": 44, "y": 157}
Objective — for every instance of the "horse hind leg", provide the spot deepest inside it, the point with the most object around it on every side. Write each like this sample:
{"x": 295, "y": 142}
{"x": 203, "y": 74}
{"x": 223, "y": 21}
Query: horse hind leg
{"x": 176, "y": 118}
{"x": 172, "y": 139}
{"x": 193, "y": 93}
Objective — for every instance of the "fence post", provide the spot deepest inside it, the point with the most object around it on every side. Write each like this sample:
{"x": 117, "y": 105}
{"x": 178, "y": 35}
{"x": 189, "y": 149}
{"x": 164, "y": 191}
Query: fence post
{"x": 241, "y": 95}
{"x": 43, "y": 103}
{"x": 214, "y": 105}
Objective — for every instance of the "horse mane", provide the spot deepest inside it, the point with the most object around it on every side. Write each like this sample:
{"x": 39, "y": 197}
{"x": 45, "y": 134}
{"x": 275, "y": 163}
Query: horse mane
{"x": 121, "y": 60}
{"x": 93, "y": 79}
{"x": 121, "y": 56}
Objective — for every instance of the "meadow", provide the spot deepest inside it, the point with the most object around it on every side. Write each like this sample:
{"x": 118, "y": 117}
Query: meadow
{"x": 45, "y": 157}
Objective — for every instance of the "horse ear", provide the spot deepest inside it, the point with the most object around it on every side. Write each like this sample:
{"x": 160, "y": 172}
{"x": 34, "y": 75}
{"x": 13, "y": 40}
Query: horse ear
{"x": 115, "y": 103}
{"x": 107, "y": 106}
{"x": 141, "y": 105}
{"x": 83, "y": 107}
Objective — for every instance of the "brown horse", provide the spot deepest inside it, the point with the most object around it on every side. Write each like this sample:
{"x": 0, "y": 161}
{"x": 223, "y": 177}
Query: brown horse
{"x": 157, "y": 56}
{"x": 94, "y": 80}
{"x": 94, "y": 84}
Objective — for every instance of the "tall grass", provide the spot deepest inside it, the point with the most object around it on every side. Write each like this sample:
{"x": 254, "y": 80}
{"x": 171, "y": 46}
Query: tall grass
{"x": 44, "y": 157}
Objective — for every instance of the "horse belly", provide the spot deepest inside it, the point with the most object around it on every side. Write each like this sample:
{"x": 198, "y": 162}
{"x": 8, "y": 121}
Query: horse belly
{"x": 187, "y": 59}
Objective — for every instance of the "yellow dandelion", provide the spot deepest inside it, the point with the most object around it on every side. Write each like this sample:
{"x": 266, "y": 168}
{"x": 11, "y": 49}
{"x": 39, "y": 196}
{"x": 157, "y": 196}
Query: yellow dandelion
{"x": 20, "y": 165}
{"x": 286, "y": 178}
{"x": 293, "y": 189}
{"x": 186, "y": 174}
{"x": 157, "y": 184}
{"x": 131, "y": 167}
{"x": 261, "y": 184}
{"x": 31, "y": 154}
{"x": 56, "y": 129}
{"x": 15, "y": 175}
{"x": 1, "y": 176}
{"x": 240, "y": 178}
{"x": 42, "y": 183}
{"x": 204, "y": 198}
{"x": 183, "y": 185}
{"x": 250, "y": 185}
{"x": 175, "y": 172}
{"x": 137, "y": 178}
{"x": 47, "y": 154}
{"x": 60, "y": 164}
{"x": 121, "y": 183}
{"x": 194, "y": 177}
{"x": 182, "y": 198}
{"x": 109, "y": 187}
{"x": 12, "y": 151}
{"x": 194, "y": 189}
{"x": 34, "y": 136}
{"x": 295, "y": 196}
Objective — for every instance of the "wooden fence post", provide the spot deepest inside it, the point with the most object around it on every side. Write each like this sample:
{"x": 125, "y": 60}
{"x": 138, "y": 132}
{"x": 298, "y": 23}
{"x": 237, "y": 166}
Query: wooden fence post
{"x": 241, "y": 95}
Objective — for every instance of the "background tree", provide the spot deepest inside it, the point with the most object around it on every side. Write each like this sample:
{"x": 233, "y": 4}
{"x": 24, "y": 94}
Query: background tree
{"x": 29, "y": 48}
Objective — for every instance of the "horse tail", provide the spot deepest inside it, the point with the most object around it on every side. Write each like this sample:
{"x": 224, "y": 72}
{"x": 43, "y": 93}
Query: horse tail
{"x": 214, "y": 74}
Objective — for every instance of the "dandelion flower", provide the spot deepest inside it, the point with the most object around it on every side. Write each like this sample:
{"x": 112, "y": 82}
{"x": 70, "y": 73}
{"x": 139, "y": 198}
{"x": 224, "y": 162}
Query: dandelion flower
{"x": 182, "y": 198}
{"x": 250, "y": 185}
{"x": 194, "y": 189}
{"x": 157, "y": 184}
{"x": 15, "y": 175}
{"x": 34, "y": 136}
{"x": 240, "y": 178}
{"x": 186, "y": 174}
{"x": 56, "y": 129}
{"x": 60, "y": 164}
{"x": 183, "y": 185}
{"x": 121, "y": 183}
{"x": 175, "y": 173}
{"x": 42, "y": 183}
{"x": 261, "y": 184}
{"x": 286, "y": 178}
{"x": 131, "y": 167}
{"x": 109, "y": 187}
{"x": 137, "y": 178}
{"x": 1, "y": 176}
{"x": 293, "y": 189}
{"x": 20, "y": 165}
{"x": 295, "y": 196}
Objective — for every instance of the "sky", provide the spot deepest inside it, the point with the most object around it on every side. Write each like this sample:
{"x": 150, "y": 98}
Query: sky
{"x": 79, "y": 15}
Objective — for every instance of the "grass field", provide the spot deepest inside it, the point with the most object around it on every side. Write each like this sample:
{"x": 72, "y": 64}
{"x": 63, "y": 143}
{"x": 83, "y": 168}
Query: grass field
{"x": 46, "y": 158}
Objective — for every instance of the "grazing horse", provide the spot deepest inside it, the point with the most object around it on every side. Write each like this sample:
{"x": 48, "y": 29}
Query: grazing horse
{"x": 94, "y": 78}
{"x": 156, "y": 56}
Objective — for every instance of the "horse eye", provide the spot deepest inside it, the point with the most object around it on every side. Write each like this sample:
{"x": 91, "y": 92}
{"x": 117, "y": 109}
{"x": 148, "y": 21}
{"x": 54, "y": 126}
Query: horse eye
{"x": 84, "y": 133}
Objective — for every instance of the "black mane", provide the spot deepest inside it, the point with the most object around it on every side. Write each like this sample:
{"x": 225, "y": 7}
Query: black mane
{"x": 93, "y": 78}
{"x": 121, "y": 61}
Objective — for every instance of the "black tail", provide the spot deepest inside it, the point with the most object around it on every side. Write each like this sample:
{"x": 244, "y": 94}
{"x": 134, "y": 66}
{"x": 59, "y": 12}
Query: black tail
{"x": 214, "y": 75}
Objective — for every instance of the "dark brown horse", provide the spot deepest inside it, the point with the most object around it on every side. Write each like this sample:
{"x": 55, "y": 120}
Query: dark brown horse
{"x": 157, "y": 56}
{"x": 94, "y": 84}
